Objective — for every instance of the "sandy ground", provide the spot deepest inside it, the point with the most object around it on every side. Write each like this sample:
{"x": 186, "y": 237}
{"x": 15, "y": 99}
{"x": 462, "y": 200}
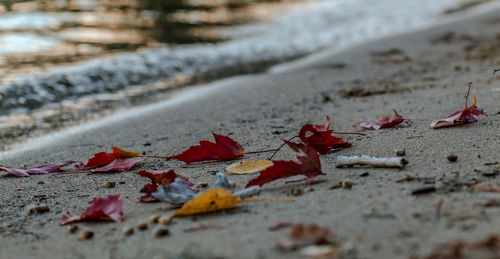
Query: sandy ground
{"x": 422, "y": 75}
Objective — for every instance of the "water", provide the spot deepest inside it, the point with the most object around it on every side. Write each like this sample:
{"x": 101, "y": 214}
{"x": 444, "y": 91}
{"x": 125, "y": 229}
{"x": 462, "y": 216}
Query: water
{"x": 63, "y": 59}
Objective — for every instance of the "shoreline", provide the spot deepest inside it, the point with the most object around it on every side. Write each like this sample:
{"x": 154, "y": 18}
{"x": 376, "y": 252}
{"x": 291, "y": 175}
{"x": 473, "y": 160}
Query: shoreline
{"x": 422, "y": 75}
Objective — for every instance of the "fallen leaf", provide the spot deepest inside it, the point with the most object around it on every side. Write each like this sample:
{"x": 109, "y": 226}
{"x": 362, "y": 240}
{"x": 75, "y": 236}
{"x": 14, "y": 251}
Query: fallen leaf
{"x": 43, "y": 169}
{"x": 249, "y": 167}
{"x": 384, "y": 122}
{"x": 306, "y": 235}
{"x": 118, "y": 165}
{"x": 320, "y": 137}
{"x": 459, "y": 117}
{"x": 109, "y": 208}
{"x": 176, "y": 193}
{"x": 223, "y": 149}
{"x": 214, "y": 199}
{"x": 104, "y": 158}
{"x": 158, "y": 178}
{"x": 309, "y": 166}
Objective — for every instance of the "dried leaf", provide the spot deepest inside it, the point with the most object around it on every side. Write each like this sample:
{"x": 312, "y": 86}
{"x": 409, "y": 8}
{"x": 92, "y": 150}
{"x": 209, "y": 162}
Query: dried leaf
{"x": 158, "y": 178}
{"x": 459, "y": 117}
{"x": 320, "y": 137}
{"x": 383, "y": 122}
{"x": 104, "y": 158}
{"x": 223, "y": 149}
{"x": 214, "y": 199}
{"x": 249, "y": 167}
{"x": 118, "y": 165}
{"x": 43, "y": 169}
{"x": 176, "y": 193}
{"x": 109, "y": 208}
{"x": 310, "y": 166}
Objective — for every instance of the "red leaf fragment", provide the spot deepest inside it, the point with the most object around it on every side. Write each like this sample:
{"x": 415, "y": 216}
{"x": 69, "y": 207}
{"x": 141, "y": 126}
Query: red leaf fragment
{"x": 104, "y": 158}
{"x": 459, "y": 117}
{"x": 320, "y": 137}
{"x": 158, "y": 178}
{"x": 118, "y": 165}
{"x": 309, "y": 166}
{"x": 43, "y": 169}
{"x": 384, "y": 122}
{"x": 109, "y": 208}
{"x": 223, "y": 149}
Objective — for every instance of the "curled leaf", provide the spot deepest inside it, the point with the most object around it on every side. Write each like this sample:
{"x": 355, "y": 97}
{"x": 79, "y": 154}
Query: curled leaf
{"x": 223, "y": 149}
{"x": 320, "y": 137}
{"x": 214, "y": 199}
{"x": 176, "y": 193}
{"x": 384, "y": 122}
{"x": 249, "y": 167}
{"x": 109, "y": 208}
{"x": 104, "y": 158}
{"x": 459, "y": 117}
{"x": 309, "y": 166}
{"x": 118, "y": 165}
{"x": 158, "y": 178}
{"x": 43, "y": 169}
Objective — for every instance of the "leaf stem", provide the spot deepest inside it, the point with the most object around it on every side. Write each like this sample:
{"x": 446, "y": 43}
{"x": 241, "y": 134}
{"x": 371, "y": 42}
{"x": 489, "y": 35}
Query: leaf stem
{"x": 467, "y": 96}
{"x": 261, "y": 151}
{"x": 412, "y": 119}
{"x": 349, "y": 133}
{"x": 278, "y": 149}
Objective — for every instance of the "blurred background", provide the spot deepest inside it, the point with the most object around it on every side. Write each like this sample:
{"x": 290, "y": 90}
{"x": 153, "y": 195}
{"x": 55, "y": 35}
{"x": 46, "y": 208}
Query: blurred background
{"x": 64, "y": 62}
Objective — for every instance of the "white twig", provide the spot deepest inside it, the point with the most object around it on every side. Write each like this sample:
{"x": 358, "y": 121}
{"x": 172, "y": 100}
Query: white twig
{"x": 371, "y": 161}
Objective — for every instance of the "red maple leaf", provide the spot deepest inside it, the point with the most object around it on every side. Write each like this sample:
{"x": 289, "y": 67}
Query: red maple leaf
{"x": 309, "y": 166}
{"x": 158, "y": 178}
{"x": 320, "y": 137}
{"x": 384, "y": 122}
{"x": 118, "y": 165}
{"x": 223, "y": 149}
{"x": 43, "y": 169}
{"x": 459, "y": 117}
{"x": 109, "y": 208}
{"x": 104, "y": 158}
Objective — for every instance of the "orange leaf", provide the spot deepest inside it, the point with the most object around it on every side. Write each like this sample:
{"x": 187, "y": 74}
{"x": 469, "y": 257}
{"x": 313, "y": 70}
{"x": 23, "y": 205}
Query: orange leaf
{"x": 214, "y": 199}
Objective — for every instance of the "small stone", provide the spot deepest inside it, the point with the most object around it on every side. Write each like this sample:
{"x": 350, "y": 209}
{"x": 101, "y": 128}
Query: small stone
{"x": 86, "y": 235}
{"x": 19, "y": 189}
{"x": 400, "y": 152}
{"x": 127, "y": 231}
{"x": 109, "y": 184}
{"x": 364, "y": 174}
{"x": 346, "y": 184}
{"x": 142, "y": 225}
{"x": 164, "y": 220}
{"x": 452, "y": 158}
{"x": 72, "y": 229}
{"x": 38, "y": 209}
{"x": 297, "y": 191}
{"x": 154, "y": 218}
{"x": 161, "y": 232}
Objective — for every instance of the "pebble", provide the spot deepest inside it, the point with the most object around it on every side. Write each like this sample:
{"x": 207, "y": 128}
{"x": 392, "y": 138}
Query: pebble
{"x": 127, "y": 231}
{"x": 452, "y": 157}
{"x": 86, "y": 235}
{"x": 161, "y": 232}
{"x": 364, "y": 174}
{"x": 297, "y": 191}
{"x": 72, "y": 229}
{"x": 164, "y": 220}
{"x": 154, "y": 218}
{"x": 109, "y": 184}
{"x": 346, "y": 184}
{"x": 38, "y": 209}
{"x": 142, "y": 225}
{"x": 400, "y": 152}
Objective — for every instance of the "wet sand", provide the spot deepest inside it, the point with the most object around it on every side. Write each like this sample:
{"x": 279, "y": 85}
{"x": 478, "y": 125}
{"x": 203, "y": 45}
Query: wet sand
{"x": 421, "y": 75}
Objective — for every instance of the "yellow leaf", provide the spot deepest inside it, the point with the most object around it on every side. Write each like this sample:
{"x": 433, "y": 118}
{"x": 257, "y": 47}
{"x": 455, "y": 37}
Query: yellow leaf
{"x": 123, "y": 154}
{"x": 249, "y": 167}
{"x": 210, "y": 200}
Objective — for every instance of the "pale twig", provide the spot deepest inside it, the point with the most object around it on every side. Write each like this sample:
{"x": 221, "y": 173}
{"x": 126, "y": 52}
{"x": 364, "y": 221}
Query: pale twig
{"x": 343, "y": 161}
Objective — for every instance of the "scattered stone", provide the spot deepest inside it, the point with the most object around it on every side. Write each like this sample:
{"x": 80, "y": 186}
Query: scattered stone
{"x": 19, "y": 189}
{"x": 164, "y": 220}
{"x": 297, "y": 191}
{"x": 38, "y": 209}
{"x": 122, "y": 182}
{"x": 423, "y": 190}
{"x": 364, "y": 174}
{"x": 41, "y": 182}
{"x": 491, "y": 173}
{"x": 127, "y": 231}
{"x": 154, "y": 218}
{"x": 400, "y": 152}
{"x": 142, "y": 225}
{"x": 86, "y": 235}
{"x": 109, "y": 184}
{"x": 452, "y": 157}
{"x": 161, "y": 232}
{"x": 72, "y": 229}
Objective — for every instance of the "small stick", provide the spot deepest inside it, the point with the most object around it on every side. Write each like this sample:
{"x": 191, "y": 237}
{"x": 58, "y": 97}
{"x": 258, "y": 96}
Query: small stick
{"x": 371, "y": 161}
{"x": 439, "y": 207}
